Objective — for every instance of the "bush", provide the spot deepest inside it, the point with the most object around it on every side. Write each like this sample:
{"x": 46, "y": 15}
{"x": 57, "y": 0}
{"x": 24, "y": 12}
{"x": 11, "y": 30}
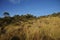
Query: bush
{"x": 15, "y": 38}
{"x": 3, "y": 31}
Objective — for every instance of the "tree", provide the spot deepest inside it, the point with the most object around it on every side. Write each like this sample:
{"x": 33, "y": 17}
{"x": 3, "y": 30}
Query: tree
{"x": 28, "y": 16}
{"x": 6, "y": 14}
{"x": 7, "y": 19}
{"x": 16, "y": 18}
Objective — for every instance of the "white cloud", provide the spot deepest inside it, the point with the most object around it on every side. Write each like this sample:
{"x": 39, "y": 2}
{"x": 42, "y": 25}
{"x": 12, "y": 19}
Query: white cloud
{"x": 15, "y": 1}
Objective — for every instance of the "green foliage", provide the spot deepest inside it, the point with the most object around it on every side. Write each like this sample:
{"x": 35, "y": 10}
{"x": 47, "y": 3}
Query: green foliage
{"x": 6, "y": 14}
{"x": 18, "y": 18}
{"x": 29, "y": 16}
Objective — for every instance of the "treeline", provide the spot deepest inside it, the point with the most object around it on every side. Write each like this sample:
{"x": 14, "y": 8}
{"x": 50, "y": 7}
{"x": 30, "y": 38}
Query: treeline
{"x": 7, "y": 19}
{"x": 51, "y": 15}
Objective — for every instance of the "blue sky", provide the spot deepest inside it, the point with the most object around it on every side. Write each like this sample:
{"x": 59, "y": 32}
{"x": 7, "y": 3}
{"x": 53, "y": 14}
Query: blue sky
{"x": 34, "y": 7}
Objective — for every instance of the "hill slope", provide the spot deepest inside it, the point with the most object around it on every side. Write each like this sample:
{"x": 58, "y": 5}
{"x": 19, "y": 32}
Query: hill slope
{"x": 41, "y": 28}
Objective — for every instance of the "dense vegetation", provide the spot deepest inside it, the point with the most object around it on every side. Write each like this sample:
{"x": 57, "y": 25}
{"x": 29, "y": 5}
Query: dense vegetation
{"x": 6, "y": 20}
{"x": 29, "y": 27}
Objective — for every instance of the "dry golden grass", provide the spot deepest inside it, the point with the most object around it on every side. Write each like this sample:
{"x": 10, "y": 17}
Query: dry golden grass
{"x": 40, "y": 29}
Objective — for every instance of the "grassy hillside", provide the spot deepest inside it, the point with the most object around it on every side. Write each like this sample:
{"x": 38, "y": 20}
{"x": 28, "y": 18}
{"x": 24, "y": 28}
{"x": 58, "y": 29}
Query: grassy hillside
{"x": 29, "y": 27}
